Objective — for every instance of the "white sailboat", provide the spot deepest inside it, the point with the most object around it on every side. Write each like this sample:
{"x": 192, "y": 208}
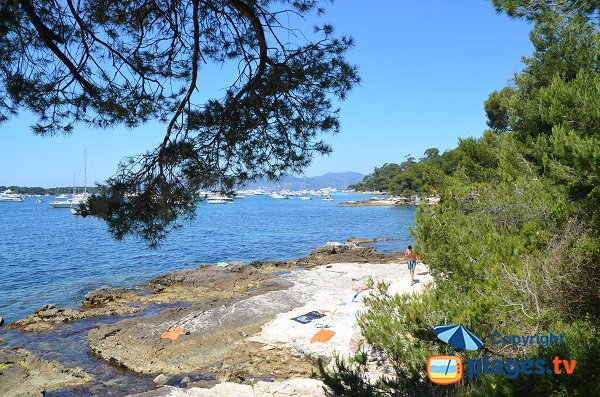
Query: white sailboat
{"x": 75, "y": 202}
{"x": 303, "y": 193}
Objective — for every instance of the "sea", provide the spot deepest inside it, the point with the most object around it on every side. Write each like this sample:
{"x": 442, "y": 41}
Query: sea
{"x": 48, "y": 255}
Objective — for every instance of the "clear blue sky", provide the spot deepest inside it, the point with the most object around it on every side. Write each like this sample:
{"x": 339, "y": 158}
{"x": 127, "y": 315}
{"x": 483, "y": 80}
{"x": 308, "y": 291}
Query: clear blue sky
{"x": 426, "y": 68}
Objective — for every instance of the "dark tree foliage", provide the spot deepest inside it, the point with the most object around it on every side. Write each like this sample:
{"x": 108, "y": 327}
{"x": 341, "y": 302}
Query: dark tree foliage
{"x": 101, "y": 63}
{"x": 497, "y": 109}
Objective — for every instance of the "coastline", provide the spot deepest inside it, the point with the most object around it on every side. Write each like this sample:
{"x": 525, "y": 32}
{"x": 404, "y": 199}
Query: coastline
{"x": 372, "y": 192}
{"x": 233, "y": 317}
{"x": 391, "y": 201}
{"x": 376, "y": 203}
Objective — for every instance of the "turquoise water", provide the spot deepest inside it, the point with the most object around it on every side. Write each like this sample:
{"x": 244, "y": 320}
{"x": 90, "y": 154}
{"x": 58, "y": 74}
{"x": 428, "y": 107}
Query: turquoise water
{"x": 48, "y": 255}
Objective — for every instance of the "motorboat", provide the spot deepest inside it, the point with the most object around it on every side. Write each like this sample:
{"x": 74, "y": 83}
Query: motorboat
{"x": 328, "y": 198}
{"x": 304, "y": 198}
{"x": 9, "y": 195}
{"x": 217, "y": 198}
{"x": 73, "y": 202}
{"x": 278, "y": 196}
{"x": 68, "y": 203}
{"x": 218, "y": 201}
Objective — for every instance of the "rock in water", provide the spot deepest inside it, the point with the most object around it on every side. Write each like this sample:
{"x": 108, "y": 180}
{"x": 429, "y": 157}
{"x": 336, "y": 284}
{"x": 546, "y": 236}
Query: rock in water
{"x": 105, "y": 294}
{"x": 1, "y": 321}
{"x": 161, "y": 379}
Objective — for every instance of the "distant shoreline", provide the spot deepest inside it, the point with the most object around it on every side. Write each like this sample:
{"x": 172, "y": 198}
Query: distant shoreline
{"x": 377, "y": 203}
{"x": 372, "y": 192}
{"x": 390, "y": 202}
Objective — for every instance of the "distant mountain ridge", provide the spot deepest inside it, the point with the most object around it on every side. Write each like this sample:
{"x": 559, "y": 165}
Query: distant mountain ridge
{"x": 337, "y": 180}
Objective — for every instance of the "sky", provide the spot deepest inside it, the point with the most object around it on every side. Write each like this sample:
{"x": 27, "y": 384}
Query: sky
{"x": 426, "y": 69}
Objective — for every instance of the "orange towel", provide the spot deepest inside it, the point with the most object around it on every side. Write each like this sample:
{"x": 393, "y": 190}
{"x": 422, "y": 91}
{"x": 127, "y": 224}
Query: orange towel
{"x": 360, "y": 288}
{"x": 322, "y": 336}
{"x": 171, "y": 333}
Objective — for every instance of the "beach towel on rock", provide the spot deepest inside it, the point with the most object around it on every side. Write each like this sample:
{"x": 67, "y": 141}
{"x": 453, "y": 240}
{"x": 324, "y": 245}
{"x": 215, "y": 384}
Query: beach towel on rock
{"x": 308, "y": 317}
{"x": 171, "y": 333}
{"x": 322, "y": 336}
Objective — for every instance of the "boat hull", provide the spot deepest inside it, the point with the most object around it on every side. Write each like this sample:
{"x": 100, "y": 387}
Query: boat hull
{"x": 11, "y": 200}
{"x": 64, "y": 205}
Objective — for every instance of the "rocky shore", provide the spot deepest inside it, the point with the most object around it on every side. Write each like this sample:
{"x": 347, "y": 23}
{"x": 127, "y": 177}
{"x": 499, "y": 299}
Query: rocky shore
{"x": 391, "y": 202}
{"x": 377, "y": 202}
{"x": 22, "y": 374}
{"x": 234, "y": 324}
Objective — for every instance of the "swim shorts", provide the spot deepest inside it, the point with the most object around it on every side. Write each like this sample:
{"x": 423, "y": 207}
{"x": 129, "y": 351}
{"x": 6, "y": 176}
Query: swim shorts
{"x": 412, "y": 265}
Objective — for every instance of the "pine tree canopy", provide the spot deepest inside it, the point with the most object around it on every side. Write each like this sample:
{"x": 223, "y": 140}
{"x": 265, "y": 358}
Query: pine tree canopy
{"x": 103, "y": 63}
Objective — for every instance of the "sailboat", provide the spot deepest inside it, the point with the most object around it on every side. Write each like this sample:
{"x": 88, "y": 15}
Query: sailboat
{"x": 75, "y": 202}
{"x": 304, "y": 196}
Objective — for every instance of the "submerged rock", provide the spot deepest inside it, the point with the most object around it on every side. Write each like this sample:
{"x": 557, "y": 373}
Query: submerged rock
{"x": 43, "y": 319}
{"x": 23, "y": 374}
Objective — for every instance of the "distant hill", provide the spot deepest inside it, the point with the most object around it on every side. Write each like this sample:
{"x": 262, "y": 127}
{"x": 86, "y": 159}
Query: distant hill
{"x": 337, "y": 180}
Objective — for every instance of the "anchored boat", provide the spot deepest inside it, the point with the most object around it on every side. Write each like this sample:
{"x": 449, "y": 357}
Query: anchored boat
{"x": 8, "y": 195}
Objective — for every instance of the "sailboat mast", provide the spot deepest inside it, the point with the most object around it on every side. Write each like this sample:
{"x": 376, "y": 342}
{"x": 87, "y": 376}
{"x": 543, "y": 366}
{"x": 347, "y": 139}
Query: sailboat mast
{"x": 85, "y": 170}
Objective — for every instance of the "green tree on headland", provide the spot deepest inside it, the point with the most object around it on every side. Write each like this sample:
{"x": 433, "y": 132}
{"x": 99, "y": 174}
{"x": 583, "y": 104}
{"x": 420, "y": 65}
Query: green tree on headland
{"x": 102, "y": 63}
{"x": 412, "y": 177}
{"x": 514, "y": 244}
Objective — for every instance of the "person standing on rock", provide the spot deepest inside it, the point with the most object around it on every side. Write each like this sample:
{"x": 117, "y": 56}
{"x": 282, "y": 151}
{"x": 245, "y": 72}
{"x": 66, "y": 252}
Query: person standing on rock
{"x": 409, "y": 254}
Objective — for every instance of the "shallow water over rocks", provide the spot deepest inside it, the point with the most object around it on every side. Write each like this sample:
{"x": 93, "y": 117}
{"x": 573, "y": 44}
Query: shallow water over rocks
{"x": 67, "y": 343}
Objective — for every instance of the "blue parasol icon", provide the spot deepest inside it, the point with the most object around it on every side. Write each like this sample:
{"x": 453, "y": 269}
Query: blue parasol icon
{"x": 458, "y": 337}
